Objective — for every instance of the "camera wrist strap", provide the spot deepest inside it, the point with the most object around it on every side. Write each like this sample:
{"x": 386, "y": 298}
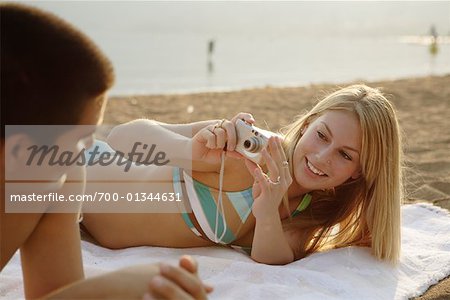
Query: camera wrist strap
{"x": 220, "y": 202}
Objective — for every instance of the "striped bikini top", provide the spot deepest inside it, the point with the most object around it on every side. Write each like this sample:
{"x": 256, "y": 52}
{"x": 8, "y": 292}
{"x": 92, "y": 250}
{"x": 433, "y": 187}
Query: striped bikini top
{"x": 200, "y": 211}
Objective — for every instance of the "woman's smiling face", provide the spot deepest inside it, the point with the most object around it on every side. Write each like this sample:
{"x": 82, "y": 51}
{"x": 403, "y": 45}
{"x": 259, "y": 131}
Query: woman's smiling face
{"x": 328, "y": 152}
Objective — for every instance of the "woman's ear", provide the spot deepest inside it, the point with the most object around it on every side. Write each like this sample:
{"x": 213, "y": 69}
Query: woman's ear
{"x": 305, "y": 127}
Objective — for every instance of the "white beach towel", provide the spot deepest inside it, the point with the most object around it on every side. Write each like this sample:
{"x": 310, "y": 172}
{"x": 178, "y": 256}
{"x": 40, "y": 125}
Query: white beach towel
{"x": 350, "y": 273}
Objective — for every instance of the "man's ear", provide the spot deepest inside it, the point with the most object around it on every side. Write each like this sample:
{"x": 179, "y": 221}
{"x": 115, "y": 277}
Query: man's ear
{"x": 15, "y": 150}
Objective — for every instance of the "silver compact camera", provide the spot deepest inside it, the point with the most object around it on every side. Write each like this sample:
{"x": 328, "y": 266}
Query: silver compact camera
{"x": 251, "y": 140}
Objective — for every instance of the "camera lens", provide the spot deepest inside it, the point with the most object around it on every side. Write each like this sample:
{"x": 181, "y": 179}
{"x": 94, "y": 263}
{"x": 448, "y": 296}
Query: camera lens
{"x": 253, "y": 144}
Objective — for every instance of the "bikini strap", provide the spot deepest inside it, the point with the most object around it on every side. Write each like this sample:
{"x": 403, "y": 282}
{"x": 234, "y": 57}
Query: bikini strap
{"x": 185, "y": 207}
{"x": 303, "y": 205}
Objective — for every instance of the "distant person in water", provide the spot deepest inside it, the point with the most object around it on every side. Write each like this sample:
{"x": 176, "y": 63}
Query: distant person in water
{"x": 211, "y": 46}
{"x": 434, "y": 41}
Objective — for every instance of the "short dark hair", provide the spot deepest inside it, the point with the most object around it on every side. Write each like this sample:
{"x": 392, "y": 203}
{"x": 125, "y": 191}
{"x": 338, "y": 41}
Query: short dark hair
{"x": 50, "y": 71}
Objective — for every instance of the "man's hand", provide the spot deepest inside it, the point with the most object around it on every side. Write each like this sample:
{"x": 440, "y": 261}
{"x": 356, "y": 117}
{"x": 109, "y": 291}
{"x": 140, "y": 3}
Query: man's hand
{"x": 180, "y": 282}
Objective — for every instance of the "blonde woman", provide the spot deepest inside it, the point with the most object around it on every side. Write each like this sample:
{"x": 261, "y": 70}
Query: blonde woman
{"x": 333, "y": 180}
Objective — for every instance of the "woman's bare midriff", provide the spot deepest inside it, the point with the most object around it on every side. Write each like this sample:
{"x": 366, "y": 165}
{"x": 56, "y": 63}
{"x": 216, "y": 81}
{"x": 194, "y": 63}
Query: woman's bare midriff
{"x": 146, "y": 229}
{"x": 120, "y": 230}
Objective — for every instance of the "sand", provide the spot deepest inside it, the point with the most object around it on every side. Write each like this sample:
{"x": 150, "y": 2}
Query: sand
{"x": 422, "y": 104}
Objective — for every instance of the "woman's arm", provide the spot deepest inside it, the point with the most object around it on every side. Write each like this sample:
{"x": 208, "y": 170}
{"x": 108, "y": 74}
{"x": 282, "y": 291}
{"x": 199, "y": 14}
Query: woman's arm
{"x": 270, "y": 244}
{"x": 173, "y": 140}
{"x": 142, "y": 134}
{"x": 197, "y": 146}
{"x": 187, "y": 130}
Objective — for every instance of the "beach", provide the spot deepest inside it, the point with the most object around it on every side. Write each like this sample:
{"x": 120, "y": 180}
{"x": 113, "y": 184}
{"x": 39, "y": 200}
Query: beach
{"x": 422, "y": 104}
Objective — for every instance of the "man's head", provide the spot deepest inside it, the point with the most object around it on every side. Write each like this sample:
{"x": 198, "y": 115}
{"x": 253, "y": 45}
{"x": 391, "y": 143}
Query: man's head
{"x": 51, "y": 73}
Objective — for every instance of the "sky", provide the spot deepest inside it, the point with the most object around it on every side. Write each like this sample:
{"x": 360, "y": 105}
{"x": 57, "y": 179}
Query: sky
{"x": 286, "y": 18}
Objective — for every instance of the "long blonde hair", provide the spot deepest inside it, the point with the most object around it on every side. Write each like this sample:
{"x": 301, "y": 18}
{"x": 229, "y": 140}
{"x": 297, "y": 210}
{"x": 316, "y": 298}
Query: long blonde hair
{"x": 366, "y": 210}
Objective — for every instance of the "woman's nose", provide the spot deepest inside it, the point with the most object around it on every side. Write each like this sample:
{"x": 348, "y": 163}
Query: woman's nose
{"x": 323, "y": 156}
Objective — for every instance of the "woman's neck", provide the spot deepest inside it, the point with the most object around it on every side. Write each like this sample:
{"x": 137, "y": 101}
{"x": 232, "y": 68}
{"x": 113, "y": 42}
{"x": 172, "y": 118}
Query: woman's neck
{"x": 295, "y": 190}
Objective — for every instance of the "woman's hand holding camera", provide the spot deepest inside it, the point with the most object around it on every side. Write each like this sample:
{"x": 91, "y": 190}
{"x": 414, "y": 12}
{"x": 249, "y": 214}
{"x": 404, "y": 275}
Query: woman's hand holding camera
{"x": 209, "y": 143}
{"x": 269, "y": 189}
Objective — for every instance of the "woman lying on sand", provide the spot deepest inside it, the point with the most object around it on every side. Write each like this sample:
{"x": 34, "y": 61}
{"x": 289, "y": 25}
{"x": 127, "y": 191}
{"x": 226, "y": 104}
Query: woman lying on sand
{"x": 339, "y": 164}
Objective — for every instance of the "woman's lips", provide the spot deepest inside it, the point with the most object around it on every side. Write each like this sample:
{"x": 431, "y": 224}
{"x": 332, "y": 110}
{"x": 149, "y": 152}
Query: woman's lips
{"x": 313, "y": 170}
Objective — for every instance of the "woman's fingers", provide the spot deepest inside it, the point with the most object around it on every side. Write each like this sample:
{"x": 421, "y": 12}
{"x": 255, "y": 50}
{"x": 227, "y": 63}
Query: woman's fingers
{"x": 274, "y": 173}
{"x": 210, "y": 138}
{"x": 251, "y": 167}
{"x": 231, "y": 135}
{"x": 221, "y": 137}
{"x": 285, "y": 168}
{"x": 261, "y": 179}
{"x": 274, "y": 160}
{"x": 244, "y": 116}
{"x": 282, "y": 162}
{"x": 215, "y": 137}
{"x": 224, "y": 133}
{"x": 277, "y": 163}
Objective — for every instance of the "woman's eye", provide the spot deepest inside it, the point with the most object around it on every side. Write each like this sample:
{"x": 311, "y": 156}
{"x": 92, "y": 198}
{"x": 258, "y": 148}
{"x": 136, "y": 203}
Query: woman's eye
{"x": 321, "y": 135}
{"x": 346, "y": 156}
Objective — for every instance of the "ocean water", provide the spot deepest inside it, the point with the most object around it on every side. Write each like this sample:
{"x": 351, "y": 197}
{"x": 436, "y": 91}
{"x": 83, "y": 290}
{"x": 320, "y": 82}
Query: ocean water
{"x": 162, "y": 47}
